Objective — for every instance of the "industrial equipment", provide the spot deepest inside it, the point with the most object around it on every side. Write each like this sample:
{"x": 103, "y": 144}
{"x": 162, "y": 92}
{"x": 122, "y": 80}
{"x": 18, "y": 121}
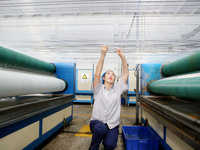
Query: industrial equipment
{"x": 170, "y": 105}
{"x": 36, "y": 99}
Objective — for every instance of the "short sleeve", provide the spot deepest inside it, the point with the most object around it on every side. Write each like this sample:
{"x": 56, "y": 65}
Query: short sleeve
{"x": 97, "y": 88}
{"x": 121, "y": 86}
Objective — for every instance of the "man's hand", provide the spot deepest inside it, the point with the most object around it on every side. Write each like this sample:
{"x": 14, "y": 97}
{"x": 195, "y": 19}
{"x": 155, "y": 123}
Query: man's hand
{"x": 104, "y": 49}
{"x": 124, "y": 65}
{"x": 120, "y": 52}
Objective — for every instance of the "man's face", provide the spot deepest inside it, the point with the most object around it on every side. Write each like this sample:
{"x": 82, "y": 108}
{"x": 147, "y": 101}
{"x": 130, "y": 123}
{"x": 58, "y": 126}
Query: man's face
{"x": 109, "y": 77}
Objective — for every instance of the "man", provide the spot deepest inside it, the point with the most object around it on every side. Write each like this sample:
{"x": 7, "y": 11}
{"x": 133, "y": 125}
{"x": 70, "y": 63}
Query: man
{"x": 106, "y": 111}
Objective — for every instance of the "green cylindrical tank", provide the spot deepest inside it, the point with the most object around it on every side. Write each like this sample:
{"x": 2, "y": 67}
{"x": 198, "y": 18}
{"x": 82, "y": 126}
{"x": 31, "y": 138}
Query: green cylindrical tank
{"x": 188, "y": 88}
{"x": 188, "y": 64}
{"x": 15, "y": 60}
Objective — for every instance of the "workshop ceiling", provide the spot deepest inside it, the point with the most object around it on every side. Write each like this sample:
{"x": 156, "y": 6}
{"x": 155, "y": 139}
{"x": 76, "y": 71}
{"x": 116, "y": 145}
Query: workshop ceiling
{"x": 149, "y": 31}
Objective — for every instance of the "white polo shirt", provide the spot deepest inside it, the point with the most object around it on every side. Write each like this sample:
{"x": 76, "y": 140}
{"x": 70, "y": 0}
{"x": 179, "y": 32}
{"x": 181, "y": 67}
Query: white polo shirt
{"x": 107, "y": 104}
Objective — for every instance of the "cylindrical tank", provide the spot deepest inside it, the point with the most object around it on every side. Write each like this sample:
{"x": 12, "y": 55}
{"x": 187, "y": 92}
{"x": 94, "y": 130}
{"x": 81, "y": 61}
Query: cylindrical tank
{"x": 18, "y": 61}
{"x": 185, "y": 86}
{"x": 188, "y": 64}
{"x": 15, "y": 83}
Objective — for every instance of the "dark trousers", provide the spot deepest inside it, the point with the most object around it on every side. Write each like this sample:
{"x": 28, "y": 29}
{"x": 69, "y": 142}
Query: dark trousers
{"x": 101, "y": 132}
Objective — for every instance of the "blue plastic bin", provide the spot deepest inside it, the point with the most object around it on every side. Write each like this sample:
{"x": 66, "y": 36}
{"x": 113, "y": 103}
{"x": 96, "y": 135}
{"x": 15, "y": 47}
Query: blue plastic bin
{"x": 139, "y": 138}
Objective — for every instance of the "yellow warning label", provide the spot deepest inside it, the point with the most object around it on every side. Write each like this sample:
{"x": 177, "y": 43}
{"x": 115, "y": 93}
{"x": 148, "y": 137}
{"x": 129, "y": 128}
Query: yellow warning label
{"x": 84, "y": 76}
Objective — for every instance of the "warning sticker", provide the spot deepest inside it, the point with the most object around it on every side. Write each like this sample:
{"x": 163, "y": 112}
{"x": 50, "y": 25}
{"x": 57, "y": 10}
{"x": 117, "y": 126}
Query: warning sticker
{"x": 84, "y": 78}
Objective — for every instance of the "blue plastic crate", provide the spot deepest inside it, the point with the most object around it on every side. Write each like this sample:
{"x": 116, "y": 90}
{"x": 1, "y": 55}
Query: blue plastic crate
{"x": 139, "y": 138}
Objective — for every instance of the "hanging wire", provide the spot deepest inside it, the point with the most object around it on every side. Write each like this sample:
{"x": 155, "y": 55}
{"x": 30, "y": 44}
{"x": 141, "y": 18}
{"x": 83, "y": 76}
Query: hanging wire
{"x": 132, "y": 22}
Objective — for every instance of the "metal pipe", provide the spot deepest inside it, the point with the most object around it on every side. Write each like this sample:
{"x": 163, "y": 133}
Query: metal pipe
{"x": 137, "y": 94}
{"x": 15, "y": 83}
{"x": 186, "y": 86}
{"x": 188, "y": 64}
{"x": 18, "y": 61}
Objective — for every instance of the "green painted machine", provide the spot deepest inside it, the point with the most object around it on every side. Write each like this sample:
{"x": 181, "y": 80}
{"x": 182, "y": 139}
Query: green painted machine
{"x": 170, "y": 102}
{"x": 14, "y": 60}
{"x": 188, "y": 64}
{"x": 184, "y": 80}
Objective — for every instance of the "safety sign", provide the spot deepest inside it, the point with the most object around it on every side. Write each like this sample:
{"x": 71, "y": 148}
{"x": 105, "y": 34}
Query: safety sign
{"x": 84, "y": 78}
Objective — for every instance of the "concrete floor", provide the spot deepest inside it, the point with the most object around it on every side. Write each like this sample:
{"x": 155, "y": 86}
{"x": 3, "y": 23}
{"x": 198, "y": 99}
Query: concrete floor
{"x": 72, "y": 138}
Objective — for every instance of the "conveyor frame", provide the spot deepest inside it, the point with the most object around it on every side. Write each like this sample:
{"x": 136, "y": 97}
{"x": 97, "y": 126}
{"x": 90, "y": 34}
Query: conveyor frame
{"x": 26, "y": 121}
{"x": 185, "y": 127}
{"x": 16, "y": 113}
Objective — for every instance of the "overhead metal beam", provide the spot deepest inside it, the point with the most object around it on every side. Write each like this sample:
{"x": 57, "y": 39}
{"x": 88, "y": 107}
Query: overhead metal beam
{"x": 179, "y": 8}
